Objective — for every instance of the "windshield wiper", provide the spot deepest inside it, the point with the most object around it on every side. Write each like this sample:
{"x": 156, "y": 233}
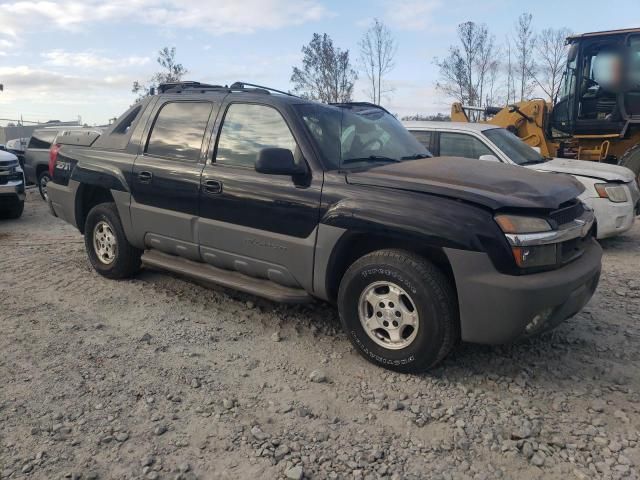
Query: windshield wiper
{"x": 376, "y": 158}
{"x": 533, "y": 162}
{"x": 416, "y": 156}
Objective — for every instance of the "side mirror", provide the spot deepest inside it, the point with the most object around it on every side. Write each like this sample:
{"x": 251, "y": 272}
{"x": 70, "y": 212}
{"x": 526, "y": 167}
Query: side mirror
{"x": 489, "y": 158}
{"x": 277, "y": 161}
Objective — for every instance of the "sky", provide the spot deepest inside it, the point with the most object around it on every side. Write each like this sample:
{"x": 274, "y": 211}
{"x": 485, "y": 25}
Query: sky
{"x": 78, "y": 58}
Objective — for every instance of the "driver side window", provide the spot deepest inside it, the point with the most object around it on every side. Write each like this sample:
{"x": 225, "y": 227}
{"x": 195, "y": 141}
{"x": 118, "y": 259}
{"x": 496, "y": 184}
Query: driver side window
{"x": 247, "y": 129}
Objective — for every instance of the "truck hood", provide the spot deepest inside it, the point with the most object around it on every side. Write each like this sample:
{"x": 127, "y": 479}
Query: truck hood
{"x": 492, "y": 185}
{"x": 584, "y": 168}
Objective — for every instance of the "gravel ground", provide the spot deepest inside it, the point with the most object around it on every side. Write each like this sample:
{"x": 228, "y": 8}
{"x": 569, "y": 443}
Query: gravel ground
{"x": 158, "y": 377}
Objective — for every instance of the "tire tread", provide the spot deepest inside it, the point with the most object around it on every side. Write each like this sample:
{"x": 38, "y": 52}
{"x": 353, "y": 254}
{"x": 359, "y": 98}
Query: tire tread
{"x": 430, "y": 274}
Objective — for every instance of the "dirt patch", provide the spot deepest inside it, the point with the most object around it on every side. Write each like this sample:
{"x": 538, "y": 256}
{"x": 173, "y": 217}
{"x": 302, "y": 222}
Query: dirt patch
{"x": 158, "y": 377}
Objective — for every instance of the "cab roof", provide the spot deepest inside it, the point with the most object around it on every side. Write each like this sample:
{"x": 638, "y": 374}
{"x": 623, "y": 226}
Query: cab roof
{"x": 603, "y": 33}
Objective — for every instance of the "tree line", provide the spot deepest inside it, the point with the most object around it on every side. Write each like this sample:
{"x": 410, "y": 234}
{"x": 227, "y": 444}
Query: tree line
{"x": 478, "y": 71}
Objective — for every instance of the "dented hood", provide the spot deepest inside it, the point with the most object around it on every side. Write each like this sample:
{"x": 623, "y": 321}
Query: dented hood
{"x": 584, "y": 168}
{"x": 492, "y": 185}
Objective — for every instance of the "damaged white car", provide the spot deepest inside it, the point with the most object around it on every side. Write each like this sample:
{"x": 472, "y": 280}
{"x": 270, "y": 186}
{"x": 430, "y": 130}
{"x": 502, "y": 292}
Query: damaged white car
{"x": 610, "y": 190}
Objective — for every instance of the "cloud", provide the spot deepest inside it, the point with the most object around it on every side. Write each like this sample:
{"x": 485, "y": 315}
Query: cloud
{"x": 23, "y": 79}
{"x": 217, "y": 18}
{"x": 410, "y": 14}
{"x": 90, "y": 59}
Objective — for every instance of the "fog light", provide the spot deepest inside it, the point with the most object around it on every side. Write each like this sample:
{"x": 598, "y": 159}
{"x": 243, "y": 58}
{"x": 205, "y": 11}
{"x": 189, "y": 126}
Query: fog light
{"x": 538, "y": 321}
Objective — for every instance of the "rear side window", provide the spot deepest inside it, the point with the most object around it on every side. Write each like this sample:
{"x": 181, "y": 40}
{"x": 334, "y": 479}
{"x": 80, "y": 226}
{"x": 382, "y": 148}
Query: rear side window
{"x": 179, "y": 130}
{"x": 462, "y": 145}
{"x": 249, "y": 128}
{"x": 124, "y": 126}
{"x": 423, "y": 137}
{"x": 42, "y": 139}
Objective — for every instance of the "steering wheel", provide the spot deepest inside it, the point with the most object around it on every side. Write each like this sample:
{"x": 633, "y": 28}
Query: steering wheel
{"x": 367, "y": 146}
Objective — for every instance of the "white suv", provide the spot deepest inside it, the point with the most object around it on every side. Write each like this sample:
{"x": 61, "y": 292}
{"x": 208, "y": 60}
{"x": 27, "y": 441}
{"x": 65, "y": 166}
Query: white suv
{"x": 610, "y": 190}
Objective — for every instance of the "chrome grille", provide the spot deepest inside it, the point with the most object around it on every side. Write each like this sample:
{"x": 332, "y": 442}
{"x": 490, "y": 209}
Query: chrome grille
{"x": 568, "y": 212}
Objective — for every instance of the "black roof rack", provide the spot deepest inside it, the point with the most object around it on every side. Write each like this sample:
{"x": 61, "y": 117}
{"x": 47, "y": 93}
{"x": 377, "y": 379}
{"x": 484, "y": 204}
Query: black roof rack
{"x": 244, "y": 85}
{"x": 178, "y": 87}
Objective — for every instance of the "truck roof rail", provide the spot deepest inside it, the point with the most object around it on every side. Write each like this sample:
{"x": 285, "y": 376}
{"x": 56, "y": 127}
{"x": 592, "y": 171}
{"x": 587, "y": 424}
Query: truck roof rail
{"x": 178, "y": 87}
{"x": 244, "y": 85}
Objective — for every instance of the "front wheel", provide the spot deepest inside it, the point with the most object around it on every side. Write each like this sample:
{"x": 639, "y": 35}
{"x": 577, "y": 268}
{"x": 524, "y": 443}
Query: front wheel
{"x": 399, "y": 310}
{"x": 108, "y": 249}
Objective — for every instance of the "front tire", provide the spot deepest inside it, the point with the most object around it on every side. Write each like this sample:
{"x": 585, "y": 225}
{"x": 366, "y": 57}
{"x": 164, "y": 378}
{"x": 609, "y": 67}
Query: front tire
{"x": 43, "y": 181}
{"x": 399, "y": 310}
{"x": 109, "y": 251}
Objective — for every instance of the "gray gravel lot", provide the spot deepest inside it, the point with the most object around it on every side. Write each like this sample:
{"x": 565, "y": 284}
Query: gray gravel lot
{"x": 158, "y": 377}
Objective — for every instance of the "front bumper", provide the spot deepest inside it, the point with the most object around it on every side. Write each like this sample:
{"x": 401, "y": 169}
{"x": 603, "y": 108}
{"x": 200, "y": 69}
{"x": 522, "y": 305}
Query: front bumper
{"x": 13, "y": 190}
{"x": 496, "y": 308}
{"x": 612, "y": 218}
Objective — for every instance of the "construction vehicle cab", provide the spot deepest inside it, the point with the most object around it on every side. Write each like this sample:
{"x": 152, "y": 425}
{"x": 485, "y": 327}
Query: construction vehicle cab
{"x": 597, "y": 113}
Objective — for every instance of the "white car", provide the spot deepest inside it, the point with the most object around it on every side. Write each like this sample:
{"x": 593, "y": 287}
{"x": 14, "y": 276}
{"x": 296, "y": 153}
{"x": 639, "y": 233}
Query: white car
{"x": 610, "y": 190}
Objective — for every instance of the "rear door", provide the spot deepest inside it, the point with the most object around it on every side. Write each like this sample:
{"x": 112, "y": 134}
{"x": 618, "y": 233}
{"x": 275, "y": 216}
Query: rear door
{"x": 260, "y": 225}
{"x": 166, "y": 176}
{"x": 452, "y": 144}
{"x": 425, "y": 137}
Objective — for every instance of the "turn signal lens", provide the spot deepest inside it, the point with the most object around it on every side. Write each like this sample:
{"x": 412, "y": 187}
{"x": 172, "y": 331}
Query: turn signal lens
{"x": 519, "y": 224}
{"x": 613, "y": 191}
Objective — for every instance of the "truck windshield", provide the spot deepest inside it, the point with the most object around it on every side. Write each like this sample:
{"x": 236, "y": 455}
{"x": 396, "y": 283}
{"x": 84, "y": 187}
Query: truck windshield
{"x": 359, "y": 137}
{"x": 513, "y": 147}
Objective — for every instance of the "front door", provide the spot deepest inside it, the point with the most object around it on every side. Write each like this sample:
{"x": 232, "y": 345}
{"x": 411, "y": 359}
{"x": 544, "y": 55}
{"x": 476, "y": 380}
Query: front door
{"x": 258, "y": 224}
{"x": 166, "y": 178}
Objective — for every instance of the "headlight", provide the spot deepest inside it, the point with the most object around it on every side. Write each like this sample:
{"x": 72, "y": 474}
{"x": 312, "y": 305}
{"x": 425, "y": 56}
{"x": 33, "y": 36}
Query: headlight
{"x": 613, "y": 191}
{"x": 528, "y": 256}
{"x": 520, "y": 224}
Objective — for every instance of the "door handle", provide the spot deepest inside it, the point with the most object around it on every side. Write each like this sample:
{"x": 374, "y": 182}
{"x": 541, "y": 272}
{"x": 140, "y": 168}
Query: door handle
{"x": 145, "y": 177}
{"x": 212, "y": 187}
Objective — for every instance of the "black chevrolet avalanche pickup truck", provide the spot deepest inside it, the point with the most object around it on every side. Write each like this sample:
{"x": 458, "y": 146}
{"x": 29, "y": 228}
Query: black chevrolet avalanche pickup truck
{"x": 264, "y": 192}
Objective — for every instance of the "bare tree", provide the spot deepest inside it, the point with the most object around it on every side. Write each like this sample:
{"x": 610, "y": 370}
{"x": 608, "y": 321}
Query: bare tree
{"x": 171, "y": 72}
{"x": 525, "y": 42}
{"x": 552, "y": 56}
{"x": 510, "y": 73}
{"x": 453, "y": 77}
{"x": 377, "y": 51}
{"x": 464, "y": 73}
{"x": 326, "y": 74}
{"x": 486, "y": 64}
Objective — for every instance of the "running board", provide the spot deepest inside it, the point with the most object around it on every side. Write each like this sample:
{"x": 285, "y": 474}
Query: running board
{"x": 225, "y": 278}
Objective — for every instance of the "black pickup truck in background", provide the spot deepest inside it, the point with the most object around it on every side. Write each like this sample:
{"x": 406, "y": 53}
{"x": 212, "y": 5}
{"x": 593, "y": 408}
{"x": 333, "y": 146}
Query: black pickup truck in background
{"x": 289, "y": 199}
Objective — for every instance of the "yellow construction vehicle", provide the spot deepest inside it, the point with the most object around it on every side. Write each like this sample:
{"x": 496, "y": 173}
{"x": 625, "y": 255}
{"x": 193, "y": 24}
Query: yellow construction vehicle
{"x": 597, "y": 113}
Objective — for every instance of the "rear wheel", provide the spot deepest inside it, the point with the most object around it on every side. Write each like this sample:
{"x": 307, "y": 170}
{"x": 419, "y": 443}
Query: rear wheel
{"x": 399, "y": 310}
{"x": 631, "y": 160}
{"x": 43, "y": 181}
{"x": 108, "y": 249}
